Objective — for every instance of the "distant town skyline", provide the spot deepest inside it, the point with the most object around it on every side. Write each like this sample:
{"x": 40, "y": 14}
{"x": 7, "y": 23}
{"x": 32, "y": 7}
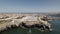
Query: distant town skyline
{"x": 29, "y": 6}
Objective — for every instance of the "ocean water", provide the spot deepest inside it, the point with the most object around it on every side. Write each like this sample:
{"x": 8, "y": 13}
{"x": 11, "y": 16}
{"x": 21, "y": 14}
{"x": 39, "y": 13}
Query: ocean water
{"x": 55, "y": 26}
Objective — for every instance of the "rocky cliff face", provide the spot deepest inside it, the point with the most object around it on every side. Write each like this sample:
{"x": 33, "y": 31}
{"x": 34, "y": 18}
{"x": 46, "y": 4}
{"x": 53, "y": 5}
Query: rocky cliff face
{"x": 35, "y": 21}
{"x": 27, "y": 22}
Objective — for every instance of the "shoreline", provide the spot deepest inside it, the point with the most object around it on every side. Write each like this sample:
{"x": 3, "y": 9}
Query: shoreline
{"x": 12, "y": 21}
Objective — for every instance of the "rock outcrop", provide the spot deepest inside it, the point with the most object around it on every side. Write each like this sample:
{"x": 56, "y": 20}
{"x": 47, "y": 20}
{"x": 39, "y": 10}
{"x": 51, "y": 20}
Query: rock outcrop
{"x": 27, "y": 22}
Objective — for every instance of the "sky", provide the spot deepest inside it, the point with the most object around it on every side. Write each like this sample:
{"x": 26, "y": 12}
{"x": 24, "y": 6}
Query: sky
{"x": 29, "y": 6}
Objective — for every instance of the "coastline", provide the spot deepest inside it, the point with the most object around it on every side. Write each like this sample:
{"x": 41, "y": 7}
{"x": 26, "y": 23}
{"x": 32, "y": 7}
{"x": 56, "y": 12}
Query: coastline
{"x": 12, "y": 21}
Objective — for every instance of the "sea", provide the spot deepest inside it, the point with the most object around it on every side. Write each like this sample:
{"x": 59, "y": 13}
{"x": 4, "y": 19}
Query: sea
{"x": 55, "y": 26}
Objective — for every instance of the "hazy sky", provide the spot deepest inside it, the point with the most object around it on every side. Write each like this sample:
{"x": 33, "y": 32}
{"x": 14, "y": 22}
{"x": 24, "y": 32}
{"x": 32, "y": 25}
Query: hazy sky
{"x": 29, "y": 6}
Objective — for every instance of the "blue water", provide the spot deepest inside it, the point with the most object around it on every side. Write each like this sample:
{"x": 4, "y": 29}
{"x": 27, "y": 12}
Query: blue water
{"x": 55, "y": 26}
